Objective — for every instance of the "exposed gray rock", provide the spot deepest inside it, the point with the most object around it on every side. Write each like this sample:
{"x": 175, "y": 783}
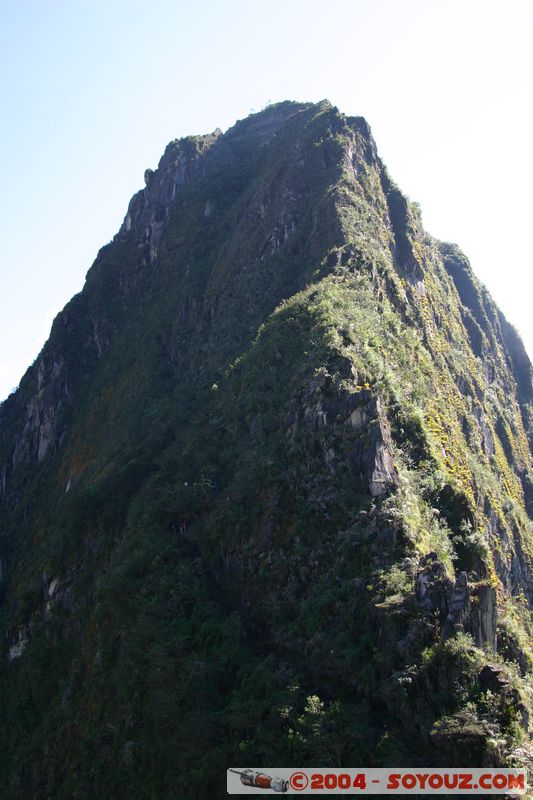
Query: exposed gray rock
{"x": 383, "y": 476}
{"x": 433, "y": 586}
{"x": 512, "y": 565}
{"x": 182, "y": 162}
{"x": 485, "y": 432}
{"x": 40, "y": 431}
{"x": 458, "y": 607}
{"x": 371, "y": 452}
{"x": 483, "y": 616}
{"x": 497, "y": 680}
{"x": 359, "y": 417}
{"x": 16, "y": 640}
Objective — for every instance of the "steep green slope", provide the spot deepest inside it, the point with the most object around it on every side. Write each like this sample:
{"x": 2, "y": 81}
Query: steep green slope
{"x": 265, "y": 492}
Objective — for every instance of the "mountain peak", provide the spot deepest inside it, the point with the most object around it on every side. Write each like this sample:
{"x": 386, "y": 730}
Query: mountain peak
{"x": 268, "y": 486}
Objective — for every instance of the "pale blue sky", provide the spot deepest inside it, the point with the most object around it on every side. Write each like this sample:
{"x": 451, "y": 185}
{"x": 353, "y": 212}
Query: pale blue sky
{"x": 92, "y": 91}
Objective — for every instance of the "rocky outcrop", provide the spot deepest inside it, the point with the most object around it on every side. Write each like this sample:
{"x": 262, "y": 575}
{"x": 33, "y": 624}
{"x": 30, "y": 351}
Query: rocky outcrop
{"x": 483, "y": 617}
{"x": 513, "y": 565}
{"x": 16, "y": 640}
{"x": 377, "y": 460}
{"x": 433, "y": 586}
{"x": 182, "y": 163}
{"x": 360, "y": 436}
{"x": 497, "y": 680}
{"x": 55, "y": 594}
{"x": 40, "y": 431}
{"x": 457, "y": 605}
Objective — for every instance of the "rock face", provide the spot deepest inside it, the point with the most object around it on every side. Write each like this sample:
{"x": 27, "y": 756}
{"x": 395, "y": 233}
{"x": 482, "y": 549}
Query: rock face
{"x": 264, "y": 494}
{"x": 183, "y": 163}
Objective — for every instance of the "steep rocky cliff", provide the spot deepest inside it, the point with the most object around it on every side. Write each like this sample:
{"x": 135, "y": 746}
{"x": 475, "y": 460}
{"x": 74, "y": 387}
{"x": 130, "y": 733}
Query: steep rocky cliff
{"x": 264, "y": 494}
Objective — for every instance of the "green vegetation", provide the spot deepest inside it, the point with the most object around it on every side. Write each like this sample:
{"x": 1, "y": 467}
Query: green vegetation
{"x": 203, "y": 571}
